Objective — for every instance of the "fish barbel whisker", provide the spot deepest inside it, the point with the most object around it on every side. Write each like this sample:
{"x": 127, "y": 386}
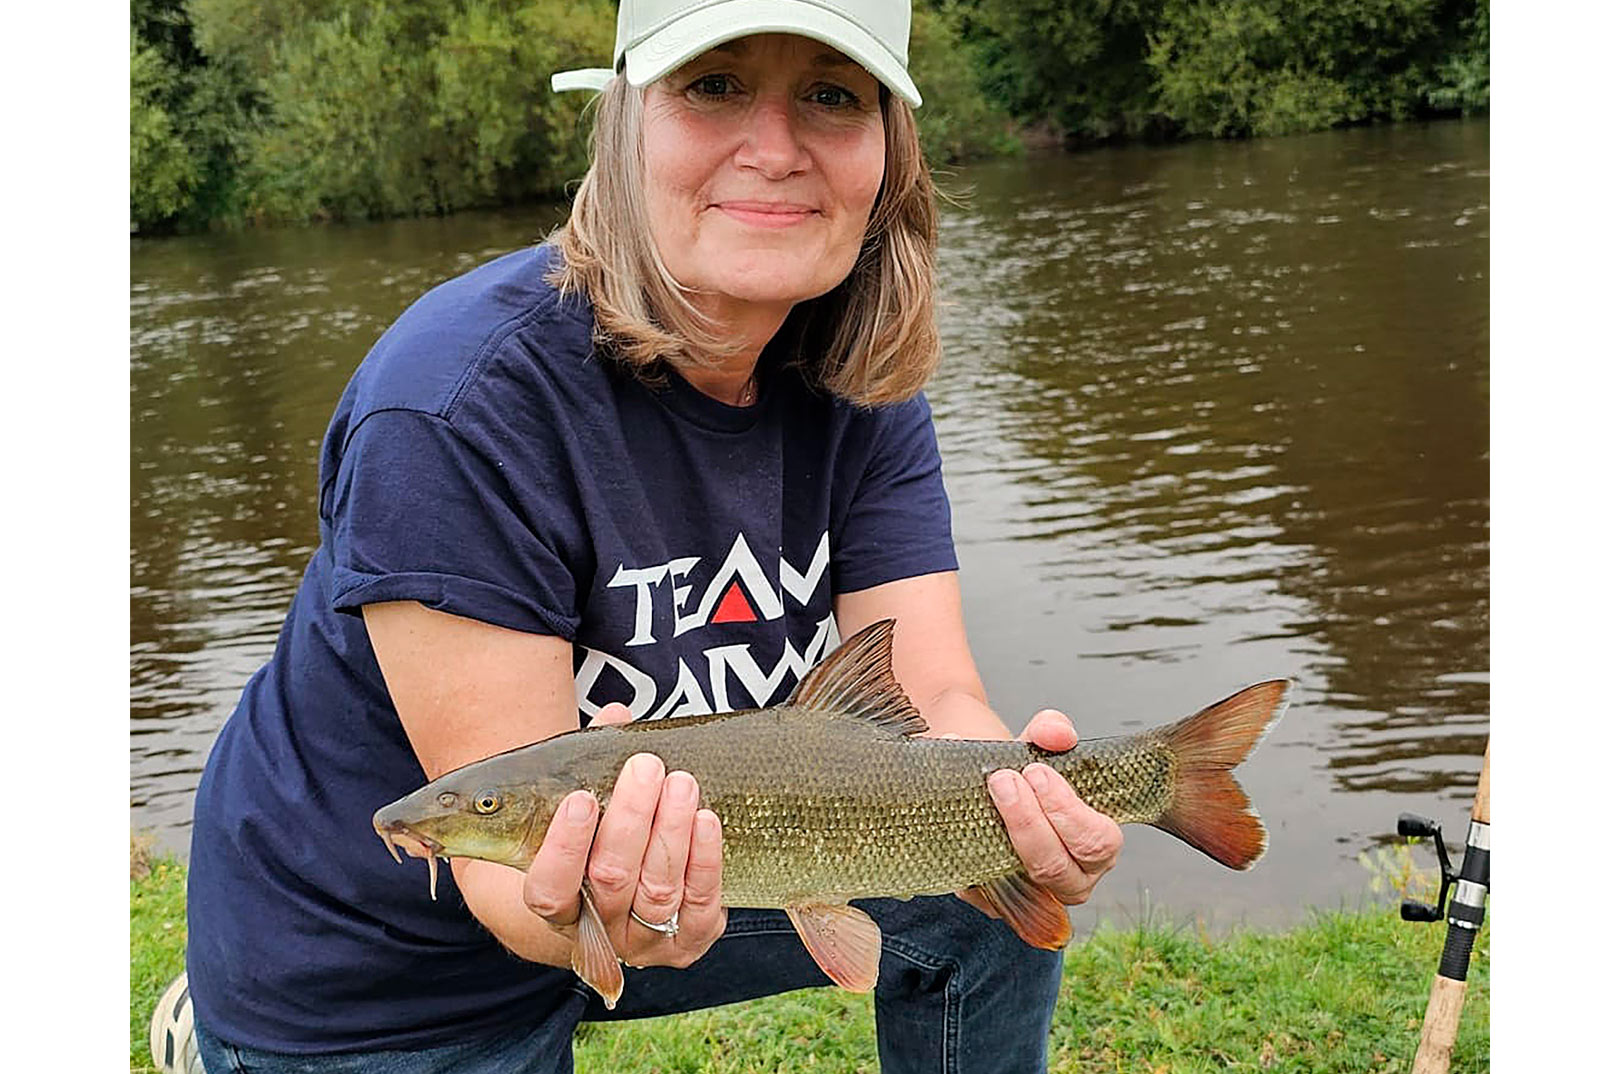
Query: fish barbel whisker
{"x": 417, "y": 847}
{"x": 393, "y": 847}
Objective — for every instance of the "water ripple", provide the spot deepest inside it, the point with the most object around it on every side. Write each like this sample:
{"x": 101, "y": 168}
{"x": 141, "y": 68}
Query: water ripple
{"x": 1209, "y": 414}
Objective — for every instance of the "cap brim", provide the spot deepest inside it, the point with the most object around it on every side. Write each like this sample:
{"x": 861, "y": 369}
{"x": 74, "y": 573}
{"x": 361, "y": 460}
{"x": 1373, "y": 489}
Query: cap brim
{"x": 706, "y": 27}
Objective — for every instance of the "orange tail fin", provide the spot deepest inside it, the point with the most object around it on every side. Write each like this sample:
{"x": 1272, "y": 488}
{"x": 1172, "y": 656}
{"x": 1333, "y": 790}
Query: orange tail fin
{"x": 1208, "y": 810}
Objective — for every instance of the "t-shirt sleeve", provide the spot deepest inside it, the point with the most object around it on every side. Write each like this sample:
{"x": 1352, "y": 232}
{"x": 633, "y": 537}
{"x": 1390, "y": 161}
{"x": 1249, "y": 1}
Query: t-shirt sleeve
{"x": 899, "y": 520}
{"x": 418, "y": 513}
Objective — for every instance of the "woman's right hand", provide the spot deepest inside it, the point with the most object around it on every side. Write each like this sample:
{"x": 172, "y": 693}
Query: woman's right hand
{"x": 654, "y": 851}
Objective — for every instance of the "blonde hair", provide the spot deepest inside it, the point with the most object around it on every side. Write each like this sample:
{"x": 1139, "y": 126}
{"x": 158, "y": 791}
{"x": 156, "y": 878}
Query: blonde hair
{"x": 871, "y": 340}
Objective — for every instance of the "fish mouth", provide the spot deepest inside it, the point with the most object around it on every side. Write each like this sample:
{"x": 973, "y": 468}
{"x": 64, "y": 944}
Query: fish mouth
{"x": 397, "y": 835}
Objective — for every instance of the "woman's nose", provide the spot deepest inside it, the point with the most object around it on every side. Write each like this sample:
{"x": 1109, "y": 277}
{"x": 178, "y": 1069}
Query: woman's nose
{"x": 771, "y": 141}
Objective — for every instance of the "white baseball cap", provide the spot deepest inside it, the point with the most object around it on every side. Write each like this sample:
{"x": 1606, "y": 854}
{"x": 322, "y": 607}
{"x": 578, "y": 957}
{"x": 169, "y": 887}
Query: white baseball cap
{"x": 657, "y": 36}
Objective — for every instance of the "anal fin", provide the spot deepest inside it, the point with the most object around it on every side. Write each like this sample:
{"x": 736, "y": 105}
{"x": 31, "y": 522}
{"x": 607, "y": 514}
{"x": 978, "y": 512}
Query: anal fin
{"x": 845, "y": 943}
{"x": 594, "y": 958}
{"x": 1032, "y": 911}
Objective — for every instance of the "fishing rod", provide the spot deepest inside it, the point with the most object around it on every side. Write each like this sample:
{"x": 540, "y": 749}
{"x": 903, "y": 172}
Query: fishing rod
{"x": 1463, "y": 921}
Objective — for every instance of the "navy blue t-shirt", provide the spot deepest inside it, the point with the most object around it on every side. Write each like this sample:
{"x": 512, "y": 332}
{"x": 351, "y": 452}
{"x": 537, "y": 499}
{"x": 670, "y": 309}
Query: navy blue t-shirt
{"x": 485, "y": 461}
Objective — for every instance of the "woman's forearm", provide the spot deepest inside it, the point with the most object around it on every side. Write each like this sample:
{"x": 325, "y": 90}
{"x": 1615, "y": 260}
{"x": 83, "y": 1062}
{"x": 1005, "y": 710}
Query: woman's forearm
{"x": 494, "y": 894}
{"x": 959, "y": 712}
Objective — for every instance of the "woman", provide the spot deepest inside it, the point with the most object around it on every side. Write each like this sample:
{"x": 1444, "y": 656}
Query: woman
{"x": 654, "y": 467}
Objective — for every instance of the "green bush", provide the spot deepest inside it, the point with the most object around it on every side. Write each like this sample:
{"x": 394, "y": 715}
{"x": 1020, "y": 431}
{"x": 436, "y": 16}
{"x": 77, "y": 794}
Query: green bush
{"x": 346, "y": 116}
{"x": 1074, "y": 64}
{"x": 1098, "y": 69}
{"x": 956, "y": 121}
{"x": 163, "y": 170}
{"x": 1230, "y": 68}
{"x": 384, "y": 110}
{"x": 1463, "y": 80}
{"x": 493, "y": 99}
{"x": 187, "y": 118}
{"x": 1281, "y": 66}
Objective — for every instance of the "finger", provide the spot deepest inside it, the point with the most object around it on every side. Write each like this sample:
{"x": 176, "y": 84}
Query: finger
{"x": 703, "y": 917}
{"x": 1042, "y": 851}
{"x": 663, "y": 868}
{"x": 551, "y": 885}
{"x": 621, "y": 839}
{"x": 1092, "y": 839}
{"x": 611, "y": 713}
{"x": 1051, "y": 731}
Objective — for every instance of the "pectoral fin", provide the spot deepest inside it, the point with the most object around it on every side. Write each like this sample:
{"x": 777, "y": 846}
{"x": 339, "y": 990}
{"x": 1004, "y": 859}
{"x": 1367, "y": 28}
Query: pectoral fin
{"x": 844, "y": 942}
{"x": 594, "y": 958}
{"x": 1032, "y": 911}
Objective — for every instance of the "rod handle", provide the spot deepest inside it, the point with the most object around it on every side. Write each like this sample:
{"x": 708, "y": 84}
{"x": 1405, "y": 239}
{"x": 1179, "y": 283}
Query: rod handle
{"x": 1482, "y": 797}
{"x": 1440, "y": 1026}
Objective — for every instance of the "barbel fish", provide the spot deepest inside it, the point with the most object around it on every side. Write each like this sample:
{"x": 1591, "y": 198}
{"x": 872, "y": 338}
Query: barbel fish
{"x": 835, "y": 795}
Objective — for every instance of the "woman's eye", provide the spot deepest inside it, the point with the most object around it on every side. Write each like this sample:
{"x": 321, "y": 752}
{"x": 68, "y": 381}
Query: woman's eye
{"x": 833, "y": 96}
{"x": 712, "y": 86}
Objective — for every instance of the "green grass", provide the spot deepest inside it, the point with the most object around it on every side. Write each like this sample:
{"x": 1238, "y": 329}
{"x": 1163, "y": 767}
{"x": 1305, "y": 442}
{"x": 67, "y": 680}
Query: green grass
{"x": 157, "y": 942}
{"x": 1342, "y": 994}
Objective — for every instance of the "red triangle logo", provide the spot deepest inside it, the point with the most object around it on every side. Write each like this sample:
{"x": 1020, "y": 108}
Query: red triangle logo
{"x": 734, "y": 607}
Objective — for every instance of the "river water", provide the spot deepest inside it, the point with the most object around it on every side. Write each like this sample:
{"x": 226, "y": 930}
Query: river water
{"x": 1210, "y": 413}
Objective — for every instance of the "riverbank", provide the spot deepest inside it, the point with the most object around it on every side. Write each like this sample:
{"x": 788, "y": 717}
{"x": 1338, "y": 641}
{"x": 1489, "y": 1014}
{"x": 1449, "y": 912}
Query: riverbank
{"x": 1343, "y": 994}
{"x": 242, "y": 112}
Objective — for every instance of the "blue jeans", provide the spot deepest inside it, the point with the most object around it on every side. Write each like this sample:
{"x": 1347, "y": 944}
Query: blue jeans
{"x": 956, "y": 992}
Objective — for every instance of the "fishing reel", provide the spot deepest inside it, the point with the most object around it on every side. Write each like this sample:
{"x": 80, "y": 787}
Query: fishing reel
{"x": 1473, "y": 881}
{"x": 1412, "y": 826}
{"x": 1463, "y": 922}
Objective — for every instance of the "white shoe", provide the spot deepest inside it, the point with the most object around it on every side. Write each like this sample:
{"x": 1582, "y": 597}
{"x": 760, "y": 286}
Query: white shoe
{"x": 174, "y": 1043}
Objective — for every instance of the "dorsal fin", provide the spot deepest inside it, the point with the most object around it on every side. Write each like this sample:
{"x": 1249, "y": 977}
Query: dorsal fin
{"x": 857, "y": 680}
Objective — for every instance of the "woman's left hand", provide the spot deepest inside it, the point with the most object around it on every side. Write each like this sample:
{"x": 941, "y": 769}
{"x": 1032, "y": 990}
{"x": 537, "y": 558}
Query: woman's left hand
{"x": 1066, "y": 845}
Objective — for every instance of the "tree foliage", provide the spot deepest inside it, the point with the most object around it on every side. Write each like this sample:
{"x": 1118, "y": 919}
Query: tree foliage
{"x": 163, "y": 170}
{"x": 422, "y": 108}
{"x": 1463, "y": 81}
{"x": 1281, "y": 66}
{"x": 1076, "y": 64}
{"x": 957, "y": 121}
{"x": 187, "y": 118}
{"x": 309, "y": 109}
{"x": 1099, "y": 69}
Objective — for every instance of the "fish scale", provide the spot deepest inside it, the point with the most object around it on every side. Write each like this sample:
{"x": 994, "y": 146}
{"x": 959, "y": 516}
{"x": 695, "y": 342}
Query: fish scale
{"x": 815, "y": 807}
{"x": 837, "y": 795}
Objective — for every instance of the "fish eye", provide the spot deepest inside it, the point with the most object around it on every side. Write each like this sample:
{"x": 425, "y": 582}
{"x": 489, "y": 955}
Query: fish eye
{"x": 447, "y": 799}
{"x": 487, "y": 803}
